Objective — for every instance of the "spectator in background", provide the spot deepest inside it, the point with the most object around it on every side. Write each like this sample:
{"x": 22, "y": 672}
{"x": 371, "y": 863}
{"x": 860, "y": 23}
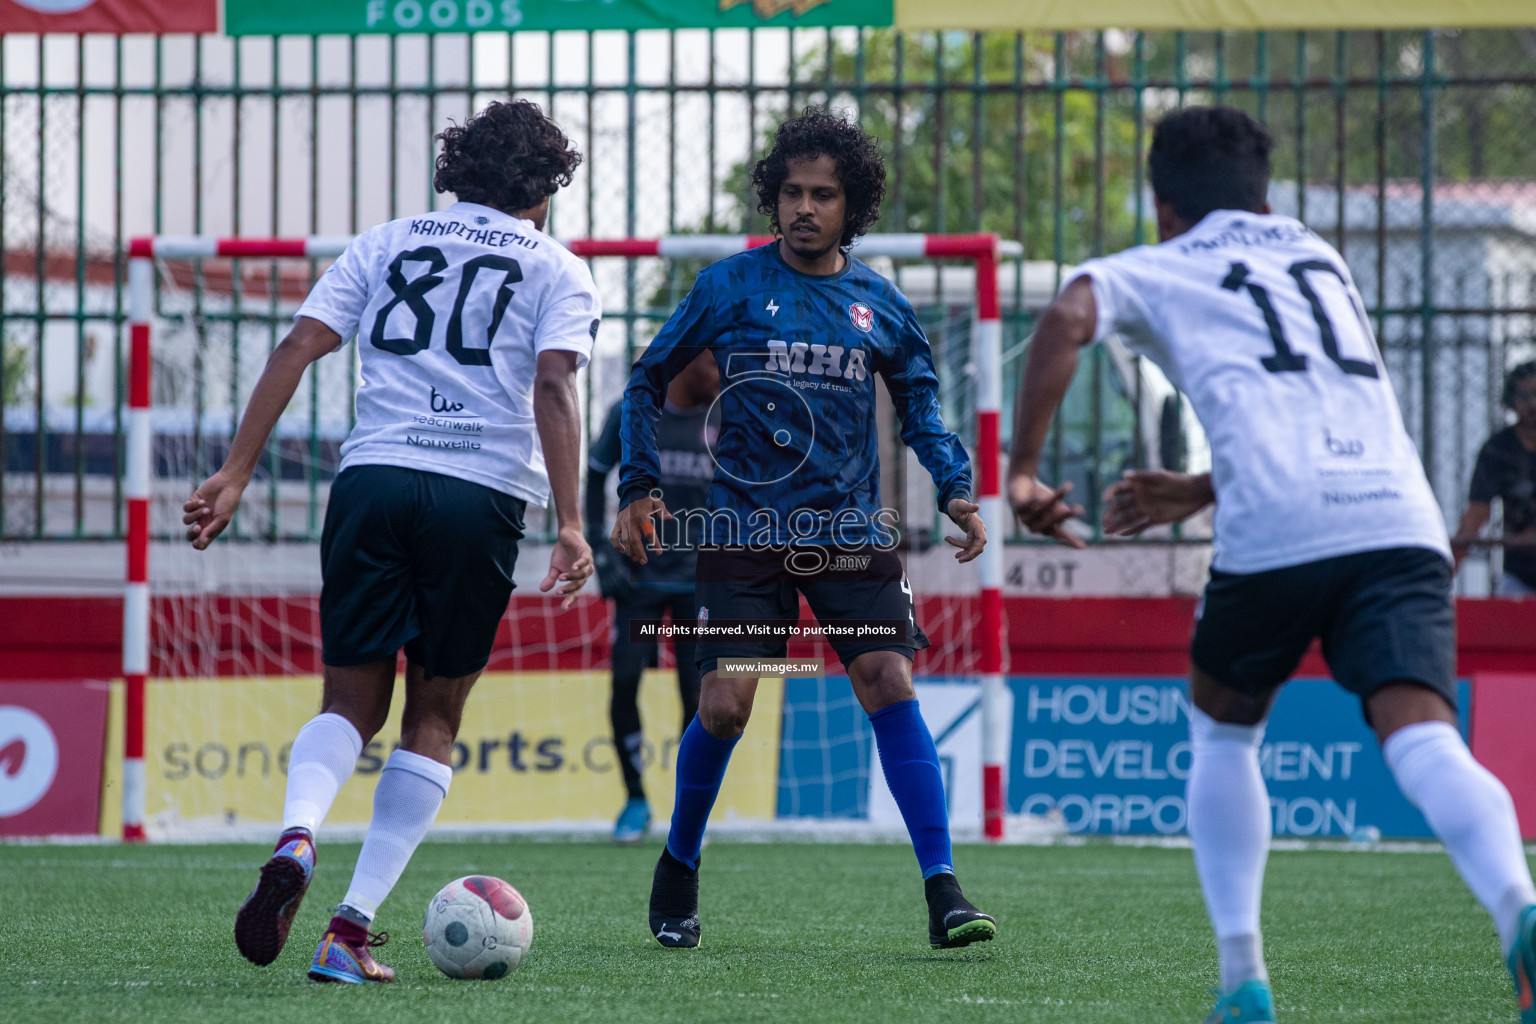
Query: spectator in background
{"x": 1506, "y": 469}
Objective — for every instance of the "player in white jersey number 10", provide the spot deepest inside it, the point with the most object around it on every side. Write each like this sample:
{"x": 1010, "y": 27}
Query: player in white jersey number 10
{"x": 471, "y": 324}
{"x": 1325, "y": 524}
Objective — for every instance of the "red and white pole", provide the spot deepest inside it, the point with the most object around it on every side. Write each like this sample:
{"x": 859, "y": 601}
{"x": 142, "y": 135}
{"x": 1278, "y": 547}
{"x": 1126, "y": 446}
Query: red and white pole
{"x": 987, "y": 352}
{"x": 987, "y": 356}
{"x": 136, "y": 490}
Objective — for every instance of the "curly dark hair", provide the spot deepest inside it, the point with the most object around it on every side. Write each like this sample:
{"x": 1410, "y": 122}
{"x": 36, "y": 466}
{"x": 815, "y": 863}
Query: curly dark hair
{"x": 1210, "y": 158}
{"x": 509, "y": 156}
{"x": 820, "y": 132}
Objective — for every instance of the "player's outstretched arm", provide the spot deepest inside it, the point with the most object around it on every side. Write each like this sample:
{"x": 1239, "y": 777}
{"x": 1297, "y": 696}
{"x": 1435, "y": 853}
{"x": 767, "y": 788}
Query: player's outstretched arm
{"x": 213, "y": 504}
{"x": 557, "y": 412}
{"x": 1068, "y": 324}
{"x": 1149, "y": 497}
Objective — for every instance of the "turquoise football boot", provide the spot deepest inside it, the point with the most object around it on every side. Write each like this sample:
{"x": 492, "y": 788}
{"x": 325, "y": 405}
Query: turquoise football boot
{"x": 1249, "y": 1003}
{"x": 634, "y": 821}
{"x": 1522, "y": 964}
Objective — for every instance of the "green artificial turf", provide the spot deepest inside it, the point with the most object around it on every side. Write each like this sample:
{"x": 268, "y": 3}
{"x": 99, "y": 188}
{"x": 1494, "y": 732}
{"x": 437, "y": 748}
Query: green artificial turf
{"x": 792, "y": 932}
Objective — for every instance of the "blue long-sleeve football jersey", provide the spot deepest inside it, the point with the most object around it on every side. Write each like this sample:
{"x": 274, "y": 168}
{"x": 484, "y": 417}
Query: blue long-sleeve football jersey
{"x": 797, "y": 456}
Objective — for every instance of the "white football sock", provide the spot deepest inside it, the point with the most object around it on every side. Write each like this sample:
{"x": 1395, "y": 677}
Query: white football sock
{"x": 411, "y": 789}
{"x": 1471, "y": 813}
{"x": 323, "y": 756}
{"x": 1229, "y": 828}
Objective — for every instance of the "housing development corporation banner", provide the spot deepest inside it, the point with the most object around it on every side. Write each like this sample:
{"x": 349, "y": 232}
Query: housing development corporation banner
{"x": 1102, "y": 756}
{"x": 1111, "y": 756}
{"x": 275, "y": 17}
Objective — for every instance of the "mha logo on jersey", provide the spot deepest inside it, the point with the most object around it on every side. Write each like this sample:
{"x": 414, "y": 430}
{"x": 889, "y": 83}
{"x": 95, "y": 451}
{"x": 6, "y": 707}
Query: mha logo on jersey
{"x": 862, "y": 317}
{"x": 818, "y": 360}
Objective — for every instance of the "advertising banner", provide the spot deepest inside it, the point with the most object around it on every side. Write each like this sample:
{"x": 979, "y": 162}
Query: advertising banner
{"x": 534, "y": 749}
{"x": 51, "y": 743}
{"x": 1066, "y": 15}
{"x": 1503, "y": 722}
{"x": 273, "y": 17}
{"x": 1112, "y": 756}
{"x": 1109, "y": 755}
{"x": 118, "y": 17}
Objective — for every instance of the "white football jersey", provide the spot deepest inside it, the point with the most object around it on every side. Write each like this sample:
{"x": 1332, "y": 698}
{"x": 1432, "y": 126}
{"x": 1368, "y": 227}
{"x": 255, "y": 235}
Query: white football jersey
{"x": 1258, "y": 322}
{"x": 450, "y": 310}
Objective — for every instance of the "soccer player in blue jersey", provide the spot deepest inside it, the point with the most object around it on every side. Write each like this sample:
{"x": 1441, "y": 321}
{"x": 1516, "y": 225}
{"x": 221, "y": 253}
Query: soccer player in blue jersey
{"x": 799, "y": 329}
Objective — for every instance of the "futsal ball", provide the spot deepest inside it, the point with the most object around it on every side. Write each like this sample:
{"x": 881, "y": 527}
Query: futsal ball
{"x": 477, "y": 927}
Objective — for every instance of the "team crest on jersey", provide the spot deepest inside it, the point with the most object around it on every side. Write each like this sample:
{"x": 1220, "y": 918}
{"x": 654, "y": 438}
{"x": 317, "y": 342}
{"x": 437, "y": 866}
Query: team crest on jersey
{"x": 862, "y": 316}
{"x": 703, "y": 616}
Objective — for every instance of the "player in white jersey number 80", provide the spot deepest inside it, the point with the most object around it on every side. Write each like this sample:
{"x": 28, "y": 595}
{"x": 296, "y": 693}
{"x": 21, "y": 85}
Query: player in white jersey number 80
{"x": 466, "y": 412}
{"x": 1325, "y": 524}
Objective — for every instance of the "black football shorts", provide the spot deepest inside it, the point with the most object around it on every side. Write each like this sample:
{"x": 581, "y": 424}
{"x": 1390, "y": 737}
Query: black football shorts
{"x": 1383, "y": 616}
{"x": 853, "y": 584}
{"x": 416, "y": 560}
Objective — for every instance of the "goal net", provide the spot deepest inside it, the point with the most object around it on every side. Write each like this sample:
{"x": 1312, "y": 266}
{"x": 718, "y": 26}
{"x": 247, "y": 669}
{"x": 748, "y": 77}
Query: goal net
{"x": 222, "y": 647}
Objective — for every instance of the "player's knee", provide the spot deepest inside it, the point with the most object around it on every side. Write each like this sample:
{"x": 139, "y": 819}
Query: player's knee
{"x": 724, "y": 715}
{"x": 1227, "y": 705}
{"x": 1401, "y": 704}
{"x": 885, "y": 683}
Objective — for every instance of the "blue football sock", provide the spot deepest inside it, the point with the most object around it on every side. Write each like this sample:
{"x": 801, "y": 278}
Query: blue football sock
{"x": 701, "y": 761}
{"x": 911, "y": 764}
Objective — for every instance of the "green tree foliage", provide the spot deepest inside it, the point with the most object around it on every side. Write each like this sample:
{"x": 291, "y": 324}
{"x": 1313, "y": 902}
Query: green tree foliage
{"x": 959, "y": 158}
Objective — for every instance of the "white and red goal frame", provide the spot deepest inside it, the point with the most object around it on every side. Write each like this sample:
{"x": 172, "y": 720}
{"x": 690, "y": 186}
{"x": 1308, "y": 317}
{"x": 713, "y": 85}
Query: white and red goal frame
{"x": 984, "y": 251}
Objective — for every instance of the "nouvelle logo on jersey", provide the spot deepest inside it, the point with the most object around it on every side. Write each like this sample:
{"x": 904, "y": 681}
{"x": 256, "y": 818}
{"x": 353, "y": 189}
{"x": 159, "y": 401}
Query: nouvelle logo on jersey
{"x": 862, "y": 317}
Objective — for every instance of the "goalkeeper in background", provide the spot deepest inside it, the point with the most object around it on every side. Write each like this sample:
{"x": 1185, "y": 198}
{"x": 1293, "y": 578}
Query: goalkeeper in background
{"x": 664, "y": 583}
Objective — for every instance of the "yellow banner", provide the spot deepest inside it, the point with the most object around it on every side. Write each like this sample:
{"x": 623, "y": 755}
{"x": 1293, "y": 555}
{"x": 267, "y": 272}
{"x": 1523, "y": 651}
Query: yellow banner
{"x": 534, "y": 749}
{"x": 1065, "y": 15}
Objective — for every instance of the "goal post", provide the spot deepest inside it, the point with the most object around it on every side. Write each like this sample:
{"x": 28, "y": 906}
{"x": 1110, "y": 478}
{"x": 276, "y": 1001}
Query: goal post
{"x": 983, "y": 251}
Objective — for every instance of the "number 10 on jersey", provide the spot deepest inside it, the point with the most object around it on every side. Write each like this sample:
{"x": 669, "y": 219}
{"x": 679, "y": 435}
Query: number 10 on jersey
{"x": 1286, "y": 359}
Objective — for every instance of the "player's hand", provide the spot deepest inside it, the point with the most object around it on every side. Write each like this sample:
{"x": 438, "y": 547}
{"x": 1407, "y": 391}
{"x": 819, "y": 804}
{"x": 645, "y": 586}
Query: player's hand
{"x": 570, "y": 563}
{"x": 1149, "y": 497}
{"x": 635, "y": 529}
{"x": 211, "y": 507}
{"x": 612, "y": 574}
{"x": 1042, "y": 509}
{"x": 965, "y": 514}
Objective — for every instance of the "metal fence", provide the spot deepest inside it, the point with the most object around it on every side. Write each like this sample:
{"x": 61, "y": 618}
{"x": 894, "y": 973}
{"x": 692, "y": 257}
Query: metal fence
{"x": 1407, "y": 150}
